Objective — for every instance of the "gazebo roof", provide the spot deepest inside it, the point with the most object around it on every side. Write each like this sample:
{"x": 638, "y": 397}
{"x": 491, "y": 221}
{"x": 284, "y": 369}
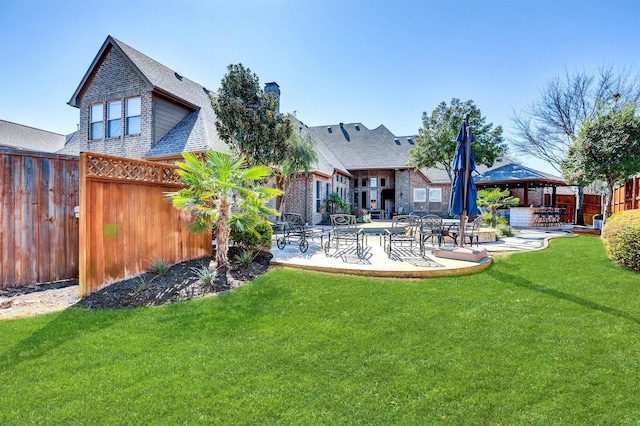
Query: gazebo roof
{"x": 517, "y": 175}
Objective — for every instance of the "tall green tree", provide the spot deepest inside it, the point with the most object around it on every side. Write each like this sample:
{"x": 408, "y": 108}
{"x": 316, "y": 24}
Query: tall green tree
{"x": 607, "y": 148}
{"x": 436, "y": 140}
{"x": 214, "y": 186}
{"x": 549, "y": 126}
{"x": 302, "y": 156}
{"x": 247, "y": 118}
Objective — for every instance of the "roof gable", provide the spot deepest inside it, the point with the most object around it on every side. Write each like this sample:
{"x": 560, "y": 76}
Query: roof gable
{"x": 100, "y": 57}
{"x": 158, "y": 77}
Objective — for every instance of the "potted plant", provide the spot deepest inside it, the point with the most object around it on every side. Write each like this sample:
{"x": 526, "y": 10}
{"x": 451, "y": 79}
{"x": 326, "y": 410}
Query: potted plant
{"x": 597, "y": 221}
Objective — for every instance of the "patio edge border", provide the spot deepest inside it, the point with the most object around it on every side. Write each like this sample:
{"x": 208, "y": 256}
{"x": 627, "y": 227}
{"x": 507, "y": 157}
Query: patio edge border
{"x": 393, "y": 274}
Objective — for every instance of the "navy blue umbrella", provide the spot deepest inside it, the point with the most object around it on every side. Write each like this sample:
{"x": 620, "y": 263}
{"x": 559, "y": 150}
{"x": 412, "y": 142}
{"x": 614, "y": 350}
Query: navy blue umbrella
{"x": 464, "y": 193}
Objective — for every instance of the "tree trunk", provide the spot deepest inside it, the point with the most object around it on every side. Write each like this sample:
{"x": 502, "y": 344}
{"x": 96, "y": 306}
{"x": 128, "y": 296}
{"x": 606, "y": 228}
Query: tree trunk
{"x": 494, "y": 216}
{"x": 580, "y": 207}
{"x": 222, "y": 234}
{"x": 286, "y": 186}
{"x": 607, "y": 205}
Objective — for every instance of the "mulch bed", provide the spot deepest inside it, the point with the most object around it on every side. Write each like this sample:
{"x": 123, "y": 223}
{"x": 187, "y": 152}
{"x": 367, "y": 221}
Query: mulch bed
{"x": 177, "y": 284}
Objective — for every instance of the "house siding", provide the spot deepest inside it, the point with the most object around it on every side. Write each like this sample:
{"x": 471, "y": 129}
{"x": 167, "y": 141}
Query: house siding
{"x": 296, "y": 198}
{"x": 166, "y": 117}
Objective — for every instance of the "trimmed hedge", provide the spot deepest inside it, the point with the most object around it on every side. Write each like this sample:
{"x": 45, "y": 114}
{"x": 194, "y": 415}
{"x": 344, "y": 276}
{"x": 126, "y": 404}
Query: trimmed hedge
{"x": 621, "y": 235}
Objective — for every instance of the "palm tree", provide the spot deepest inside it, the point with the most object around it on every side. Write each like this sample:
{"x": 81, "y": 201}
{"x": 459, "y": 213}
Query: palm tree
{"x": 495, "y": 199}
{"x": 215, "y": 185}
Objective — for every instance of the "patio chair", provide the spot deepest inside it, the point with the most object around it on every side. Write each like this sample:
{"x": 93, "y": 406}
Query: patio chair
{"x": 472, "y": 231}
{"x": 431, "y": 228}
{"x": 293, "y": 228}
{"x": 402, "y": 232}
{"x": 345, "y": 232}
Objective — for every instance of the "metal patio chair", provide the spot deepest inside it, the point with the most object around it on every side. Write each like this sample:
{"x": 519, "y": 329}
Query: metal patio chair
{"x": 345, "y": 232}
{"x": 403, "y": 232}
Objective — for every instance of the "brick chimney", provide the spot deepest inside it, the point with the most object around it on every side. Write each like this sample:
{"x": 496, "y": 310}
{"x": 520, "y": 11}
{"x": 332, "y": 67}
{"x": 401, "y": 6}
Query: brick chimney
{"x": 275, "y": 89}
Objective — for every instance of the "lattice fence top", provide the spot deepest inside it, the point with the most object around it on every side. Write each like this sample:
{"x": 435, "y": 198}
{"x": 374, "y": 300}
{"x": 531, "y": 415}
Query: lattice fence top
{"x": 105, "y": 166}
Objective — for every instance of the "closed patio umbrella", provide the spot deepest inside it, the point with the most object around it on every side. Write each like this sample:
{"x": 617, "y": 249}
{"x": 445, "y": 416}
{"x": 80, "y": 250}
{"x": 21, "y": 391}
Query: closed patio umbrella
{"x": 464, "y": 193}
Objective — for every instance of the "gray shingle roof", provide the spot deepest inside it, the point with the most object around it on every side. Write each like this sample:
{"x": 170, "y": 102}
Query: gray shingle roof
{"x": 404, "y": 144}
{"x": 357, "y": 147}
{"x": 29, "y": 138}
{"x": 71, "y": 145}
{"x": 514, "y": 172}
{"x": 163, "y": 78}
{"x": 196, "y": 132}
{"x": 327, "y": 163}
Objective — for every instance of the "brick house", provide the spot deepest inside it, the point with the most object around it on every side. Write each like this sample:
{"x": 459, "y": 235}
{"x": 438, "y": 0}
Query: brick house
{"x": 132, "y": 106}
{"x": 369, "y": 169}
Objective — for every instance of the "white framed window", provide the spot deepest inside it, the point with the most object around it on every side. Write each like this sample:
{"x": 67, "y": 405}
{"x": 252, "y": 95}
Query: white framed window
{"x": 133, "y": 116}
{"x": 435, "y": 199}
{"x": 419, "y": 195}
{"x": 419, "y": 199}
{"x": 374, "y": 182}
{"x": 114, "y": 119}
{"x": 435, "y": 195}
{"x": 96, "y": 123}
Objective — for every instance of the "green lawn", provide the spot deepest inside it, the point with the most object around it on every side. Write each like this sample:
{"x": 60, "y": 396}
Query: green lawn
{"x": 550, "y": 337}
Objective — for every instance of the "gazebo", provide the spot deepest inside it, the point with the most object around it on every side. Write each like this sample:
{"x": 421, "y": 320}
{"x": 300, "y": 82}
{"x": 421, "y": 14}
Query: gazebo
{"x": 514, "y": 176}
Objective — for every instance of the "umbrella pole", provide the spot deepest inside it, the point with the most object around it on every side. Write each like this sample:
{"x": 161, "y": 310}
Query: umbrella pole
{"x": 465, "y": 188}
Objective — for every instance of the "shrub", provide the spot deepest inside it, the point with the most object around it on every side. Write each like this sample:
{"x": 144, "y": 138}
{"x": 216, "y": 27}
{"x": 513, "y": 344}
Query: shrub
{"x": 621, "y": 235}
{"x": 504, "y": 231}
{"x": 254, "y": 236}
{"x": 493, "y": 220}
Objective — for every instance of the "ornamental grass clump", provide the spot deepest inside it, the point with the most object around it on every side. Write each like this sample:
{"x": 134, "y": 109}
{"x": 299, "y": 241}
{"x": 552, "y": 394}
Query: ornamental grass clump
{"x": 159, "y": 266}
{"x": 245, "y": 258}
{"x": 621, "y": 235}
{"x": 206, "y": 274}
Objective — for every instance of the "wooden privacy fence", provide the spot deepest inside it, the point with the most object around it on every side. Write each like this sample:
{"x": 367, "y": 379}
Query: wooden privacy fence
{"x": 591, "y": 205}
{"x": 567, "y": 202}
{"x": 39, "y": 234}
{"x": 626, "y": 196}
{"x": 125, "y": 221}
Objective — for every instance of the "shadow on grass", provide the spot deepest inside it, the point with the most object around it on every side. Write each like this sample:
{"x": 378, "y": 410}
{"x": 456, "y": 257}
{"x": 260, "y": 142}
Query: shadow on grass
{"x": 511, "y": 279}
{"x": 61, "y": 328}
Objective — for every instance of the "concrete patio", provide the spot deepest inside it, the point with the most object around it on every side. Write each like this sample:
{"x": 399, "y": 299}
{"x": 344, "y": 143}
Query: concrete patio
{"x": 405, "y": 263}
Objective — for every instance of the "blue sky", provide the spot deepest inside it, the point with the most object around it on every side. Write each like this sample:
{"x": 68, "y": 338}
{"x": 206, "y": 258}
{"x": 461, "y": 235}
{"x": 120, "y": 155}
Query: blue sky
{"x": 374, "y": 61}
